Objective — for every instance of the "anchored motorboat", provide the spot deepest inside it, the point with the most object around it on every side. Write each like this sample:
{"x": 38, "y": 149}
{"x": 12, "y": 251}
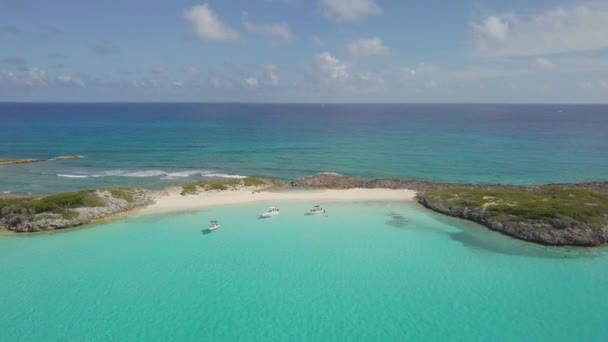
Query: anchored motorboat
{"x": 316, "y": 210}
{"x": 214, "y": 225}
{"x": 271, "y": 212}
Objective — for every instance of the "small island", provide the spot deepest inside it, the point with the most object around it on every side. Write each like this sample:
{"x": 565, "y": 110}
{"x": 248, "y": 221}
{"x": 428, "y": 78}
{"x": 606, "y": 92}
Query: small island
{"x": 552, "y": 214}
{"x": 66, "y": 210}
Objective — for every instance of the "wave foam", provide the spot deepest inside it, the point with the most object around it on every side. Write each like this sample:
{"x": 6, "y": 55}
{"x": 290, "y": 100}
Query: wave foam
{"x": 164, "y": 175}
{"x": 72, "y": 176}
{"x": 223, "y": 175}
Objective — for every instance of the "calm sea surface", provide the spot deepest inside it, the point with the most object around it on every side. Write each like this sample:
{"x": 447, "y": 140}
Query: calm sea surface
{"x": 366, "y": 272}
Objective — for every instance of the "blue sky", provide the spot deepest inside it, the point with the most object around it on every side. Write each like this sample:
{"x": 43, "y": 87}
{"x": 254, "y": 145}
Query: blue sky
{"x": 304, "y": 51}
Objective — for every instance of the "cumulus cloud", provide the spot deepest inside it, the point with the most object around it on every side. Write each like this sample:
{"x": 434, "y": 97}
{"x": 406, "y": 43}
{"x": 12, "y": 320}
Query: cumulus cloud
{"x": 278, "y": 30}
{"x": 349, "y": 10}
{"x": 331, "y": 67}
{"x": 207, "y": 25}
{"x": 252, "y": 82}
{"x": 268, "y": 77}
{"x": 560, "y": 30}
{"x": 366, "y": 47}
{"x": 495, "y": 28}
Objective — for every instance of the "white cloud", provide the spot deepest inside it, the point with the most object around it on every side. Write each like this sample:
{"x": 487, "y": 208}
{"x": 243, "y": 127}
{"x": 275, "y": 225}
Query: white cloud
{"x": 493, "y": 27}
{"x": 68, "y": 80}
{"x": 252, "y": 82}
{"x": 37, "y": 76}
{"x": 331, "y": 67}
{"x": 278, "y": 30}
{"x": 272, "y": 76}
{"x": 408, "y": 72}
{"x": 560, "y": 30}
{"x": 349, "y": 10}
{"x": 365, "y": 47}
{"x": 544, "y": 63}
{"x": 207, "y": 25}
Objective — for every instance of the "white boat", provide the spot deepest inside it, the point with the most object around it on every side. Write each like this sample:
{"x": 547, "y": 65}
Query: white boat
{"x": 271, "y": 212}
{"x": 316, "y": 210}
{"x": 214, "y": 225}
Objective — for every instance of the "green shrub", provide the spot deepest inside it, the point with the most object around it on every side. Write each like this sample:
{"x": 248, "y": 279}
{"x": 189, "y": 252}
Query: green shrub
{"x": 253, "y": 181}
{"x": 559, "y": 206}
{"x": 127, "y": 194}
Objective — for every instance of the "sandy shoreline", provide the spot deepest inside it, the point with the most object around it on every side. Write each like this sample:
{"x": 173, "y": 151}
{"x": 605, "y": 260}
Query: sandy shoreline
{"x": 171, "y": 200}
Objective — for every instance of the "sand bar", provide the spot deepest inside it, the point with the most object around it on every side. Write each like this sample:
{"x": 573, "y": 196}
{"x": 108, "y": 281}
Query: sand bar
{"x": 171, "y": 200}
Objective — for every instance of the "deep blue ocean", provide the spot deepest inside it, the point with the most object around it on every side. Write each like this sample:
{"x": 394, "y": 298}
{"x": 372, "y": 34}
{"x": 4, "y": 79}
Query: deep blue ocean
{"x": 153, "y": 145}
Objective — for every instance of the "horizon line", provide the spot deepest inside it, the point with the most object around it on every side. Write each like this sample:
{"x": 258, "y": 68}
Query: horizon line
{"x": 305, "y": 103}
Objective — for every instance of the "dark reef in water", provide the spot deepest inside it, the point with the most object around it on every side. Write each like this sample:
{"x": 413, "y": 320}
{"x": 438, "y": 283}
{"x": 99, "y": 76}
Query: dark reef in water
{"x": 552, "y": 214}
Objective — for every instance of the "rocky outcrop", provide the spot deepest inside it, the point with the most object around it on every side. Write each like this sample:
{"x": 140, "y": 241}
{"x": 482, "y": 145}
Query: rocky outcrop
{"x": 538, "y": 233}
{"x": 31, "y": 160}
{"x": 22, "y": 220}
{"x": 328, "y": 180}
{"x": 19, "y": 161}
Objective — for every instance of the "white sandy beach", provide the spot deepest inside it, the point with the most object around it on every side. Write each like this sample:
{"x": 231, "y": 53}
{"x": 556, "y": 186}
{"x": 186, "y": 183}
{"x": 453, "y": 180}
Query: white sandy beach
{"x": 171, "y": 200}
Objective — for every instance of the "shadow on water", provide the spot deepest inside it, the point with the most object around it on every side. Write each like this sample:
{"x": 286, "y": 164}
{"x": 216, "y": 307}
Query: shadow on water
{"x": 497, "y": 243}
{"x": 397, "y": 220}
{"x": 478, "y": 237}
{"x": 206, "y": 231}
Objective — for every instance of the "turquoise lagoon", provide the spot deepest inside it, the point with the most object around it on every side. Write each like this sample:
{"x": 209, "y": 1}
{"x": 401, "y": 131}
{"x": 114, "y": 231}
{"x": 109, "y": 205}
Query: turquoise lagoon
{"x": 367, "y": 271}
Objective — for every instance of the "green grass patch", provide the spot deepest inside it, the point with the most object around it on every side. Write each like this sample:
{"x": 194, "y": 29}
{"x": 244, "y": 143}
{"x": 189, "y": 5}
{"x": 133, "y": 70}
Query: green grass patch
{"x": 127, "y": 194}
{"x": 253, "y": 181}
{"x": 559, "y": 206}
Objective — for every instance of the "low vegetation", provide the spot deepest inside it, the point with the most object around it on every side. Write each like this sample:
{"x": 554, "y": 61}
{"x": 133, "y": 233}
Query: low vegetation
{"x": 557, "y": 206}
{"x": 22, "y": 208}
{"x": 220, "y": 185}
{"x": 127, "y": 194}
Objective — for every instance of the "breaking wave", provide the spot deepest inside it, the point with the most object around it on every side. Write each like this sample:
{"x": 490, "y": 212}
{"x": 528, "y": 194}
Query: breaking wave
{"x": 165, "y": 175}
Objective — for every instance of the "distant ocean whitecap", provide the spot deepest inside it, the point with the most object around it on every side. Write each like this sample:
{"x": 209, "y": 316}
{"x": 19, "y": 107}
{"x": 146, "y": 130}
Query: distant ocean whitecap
{"x": 164, "y": 175}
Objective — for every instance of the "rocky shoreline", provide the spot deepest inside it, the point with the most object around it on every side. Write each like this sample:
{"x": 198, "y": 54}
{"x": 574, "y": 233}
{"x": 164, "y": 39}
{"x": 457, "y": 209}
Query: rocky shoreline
{"x": 23, "y": 217}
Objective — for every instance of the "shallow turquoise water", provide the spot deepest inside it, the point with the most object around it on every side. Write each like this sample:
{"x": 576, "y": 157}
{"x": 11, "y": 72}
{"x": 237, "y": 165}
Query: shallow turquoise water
{"x": 368, "y": 271}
